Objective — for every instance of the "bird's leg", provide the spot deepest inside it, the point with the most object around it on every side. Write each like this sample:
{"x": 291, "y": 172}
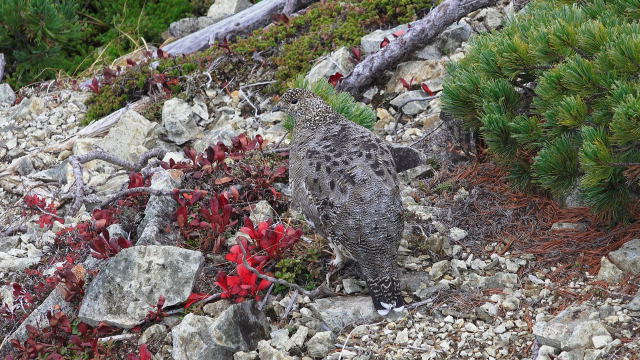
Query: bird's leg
{"x": 337, "y": 263}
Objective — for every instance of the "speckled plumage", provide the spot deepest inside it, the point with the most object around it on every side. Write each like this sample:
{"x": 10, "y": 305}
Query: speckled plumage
{"x": 343, "y": 179}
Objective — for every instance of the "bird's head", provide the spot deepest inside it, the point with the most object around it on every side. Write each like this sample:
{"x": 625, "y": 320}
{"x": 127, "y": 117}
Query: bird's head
{"x": 303, "y": 105}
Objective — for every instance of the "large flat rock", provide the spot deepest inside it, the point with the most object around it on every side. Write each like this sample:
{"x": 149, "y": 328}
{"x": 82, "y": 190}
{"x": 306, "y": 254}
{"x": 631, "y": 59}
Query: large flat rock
{"x": 132, "y": 282}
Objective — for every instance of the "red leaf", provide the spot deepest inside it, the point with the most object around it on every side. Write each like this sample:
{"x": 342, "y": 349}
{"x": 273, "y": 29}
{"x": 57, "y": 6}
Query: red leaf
{"x": 335, "y": 78}
{"x": 162, "y": 54}
{"x": 405, "y": 84}
{"x": 145, "y": 354}
{"x": 280, "y": 18}
{"x": 131, "y": 62}
{"x": 384, "y": 43}
{"x": 95, "y": 86}
{"x": 399, "y": 33}
{"x": 426, "y": 89}
{"x": 357, "y": 53}
{"x": 193, "y": 298}
{"x": 223, "y": 180}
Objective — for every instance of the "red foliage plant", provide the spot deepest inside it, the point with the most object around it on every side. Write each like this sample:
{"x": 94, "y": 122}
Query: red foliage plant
{"x": 48, "y": 211}
{"x": 60, "y": 341}
{"x": 267, "y": 242}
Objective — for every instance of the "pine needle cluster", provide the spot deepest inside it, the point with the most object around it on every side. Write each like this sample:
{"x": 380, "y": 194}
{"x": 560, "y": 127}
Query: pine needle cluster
{"x": 556, "y": 97}
{"x": 342, "y": 102}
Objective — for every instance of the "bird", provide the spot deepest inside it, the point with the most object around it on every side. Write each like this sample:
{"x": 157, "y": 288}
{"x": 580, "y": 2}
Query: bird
{"x": 343, "y": 179}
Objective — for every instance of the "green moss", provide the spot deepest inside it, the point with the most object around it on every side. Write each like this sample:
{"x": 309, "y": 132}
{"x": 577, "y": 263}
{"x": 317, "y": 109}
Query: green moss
{"x": 153, "y": 112}
{"x": 295, "y": 270}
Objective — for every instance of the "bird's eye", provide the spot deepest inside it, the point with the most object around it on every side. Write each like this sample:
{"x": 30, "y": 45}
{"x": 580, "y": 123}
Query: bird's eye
{"x": 294, "y": 101}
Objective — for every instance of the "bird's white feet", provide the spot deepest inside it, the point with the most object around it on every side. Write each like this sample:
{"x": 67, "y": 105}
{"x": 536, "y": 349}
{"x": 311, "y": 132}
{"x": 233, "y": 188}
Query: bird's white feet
{"x": 337, "y": 263}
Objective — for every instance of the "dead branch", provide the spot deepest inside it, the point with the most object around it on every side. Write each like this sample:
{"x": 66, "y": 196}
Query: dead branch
{"x": 243, "y": 22}
{"x": 14, "y": 229}
{"x": 77, "y": 160}
{"x": 320, "y": 291}
{"x": 421, "y": 33}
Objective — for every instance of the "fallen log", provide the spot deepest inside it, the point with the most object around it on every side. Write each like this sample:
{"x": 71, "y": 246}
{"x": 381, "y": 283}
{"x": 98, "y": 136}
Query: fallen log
{"x": 421, "y": 33}
{"x": 243, "y": 22}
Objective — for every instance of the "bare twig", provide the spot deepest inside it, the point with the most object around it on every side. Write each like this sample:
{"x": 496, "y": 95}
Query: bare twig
{"x": 77, "y": 161}
{"x": 426, "y": 136}
{"x": 320, "y": 291}
{"x": 428, "y": 98}
{"x": 117, "y": 337}
{"x": 281, "y": 139}
{"x": 292, "y": 302}
{"x": 258, "y": 84}
{"x": 2, "y": 64}
{"x": 266, "y": 297}
{"x": 276, "y": 150}
{"x": 246, "y": 98}
{"x": 420, "y": 303}
{"x": 395, "y": 127}
{"x": 13, "y": 229}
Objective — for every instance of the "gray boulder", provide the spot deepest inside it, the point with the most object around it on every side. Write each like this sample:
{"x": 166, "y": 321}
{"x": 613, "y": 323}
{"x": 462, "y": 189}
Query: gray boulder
{"x": 572, "y": 329}
{"x": 371, "y": 42}
{"x": 223, "y": 8}
{"x": 320, "y": 344}
{"x": 7, "y": 96}
{"x": 337, "y": 312}
{"x": 627, "y": 257}
{"x": 179, "y": 121}
{"x": 239, "y": 328}
{"x": 130, "y": 137}
{"x": 132, "y": 282}
{"x": 609, "y": 272}
{"x": 338, "y": 61}
{"x": 186, "y": 26}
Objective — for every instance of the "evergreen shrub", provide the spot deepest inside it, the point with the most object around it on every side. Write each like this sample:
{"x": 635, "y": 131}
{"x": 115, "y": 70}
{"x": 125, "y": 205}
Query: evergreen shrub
{"x": 45, "y": 38}
{"x": 556, "y": 97}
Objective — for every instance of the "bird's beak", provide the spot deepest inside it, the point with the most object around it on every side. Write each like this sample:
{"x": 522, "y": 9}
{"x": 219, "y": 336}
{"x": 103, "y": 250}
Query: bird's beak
{"x": 276, "y": 108}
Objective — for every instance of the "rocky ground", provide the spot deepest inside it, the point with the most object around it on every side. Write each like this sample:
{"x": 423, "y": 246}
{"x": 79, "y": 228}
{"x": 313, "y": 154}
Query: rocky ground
{"x": 474, "y": 296}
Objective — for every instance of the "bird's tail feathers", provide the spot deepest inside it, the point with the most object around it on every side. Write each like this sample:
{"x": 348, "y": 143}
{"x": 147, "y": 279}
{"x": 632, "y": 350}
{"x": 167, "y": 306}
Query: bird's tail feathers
{"x": 385, "y": 293}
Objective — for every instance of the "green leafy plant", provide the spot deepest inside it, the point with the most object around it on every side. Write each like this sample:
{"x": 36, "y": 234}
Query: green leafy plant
{"x": 342, "y": 102}
{"x": 555, "y": 96}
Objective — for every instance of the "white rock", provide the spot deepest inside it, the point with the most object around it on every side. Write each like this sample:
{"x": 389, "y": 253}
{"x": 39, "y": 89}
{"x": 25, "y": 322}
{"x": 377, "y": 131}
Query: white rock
{"x": 403, "y": 337}
{"x": 338, "y": 61}
{"x": 457, "y": 234}
{"x": 320, "y": 344}
{"x": 223, "y": 8}
{"x": 438, "y": 269}
{"x": 600, "y": 341}
{"x": 7, "y": 96}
